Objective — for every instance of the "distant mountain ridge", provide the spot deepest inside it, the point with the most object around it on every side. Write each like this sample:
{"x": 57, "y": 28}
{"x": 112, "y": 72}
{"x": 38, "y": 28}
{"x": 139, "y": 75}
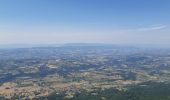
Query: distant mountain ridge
{"x": 7, "y": 46}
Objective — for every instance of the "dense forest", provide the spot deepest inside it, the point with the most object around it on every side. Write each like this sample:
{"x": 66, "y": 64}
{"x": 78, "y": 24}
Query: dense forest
{"x": 145, "y": 91}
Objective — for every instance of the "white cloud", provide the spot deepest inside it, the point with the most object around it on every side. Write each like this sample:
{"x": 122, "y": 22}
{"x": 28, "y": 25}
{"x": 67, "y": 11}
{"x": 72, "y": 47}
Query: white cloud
{"x": 152, "y": 28}
{"x": 144, "y": 29}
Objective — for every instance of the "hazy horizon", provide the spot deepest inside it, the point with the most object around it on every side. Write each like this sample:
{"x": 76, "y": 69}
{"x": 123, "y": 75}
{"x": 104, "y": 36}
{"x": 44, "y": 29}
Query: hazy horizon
{"x": 73, "y": 21}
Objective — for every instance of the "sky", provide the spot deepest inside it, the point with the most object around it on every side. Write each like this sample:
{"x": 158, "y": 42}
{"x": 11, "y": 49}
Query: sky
{"x": 85, "y": 21}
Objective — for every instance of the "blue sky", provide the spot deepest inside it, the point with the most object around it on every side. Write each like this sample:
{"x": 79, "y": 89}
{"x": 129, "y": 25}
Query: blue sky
{"x": 87, "y": 21}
